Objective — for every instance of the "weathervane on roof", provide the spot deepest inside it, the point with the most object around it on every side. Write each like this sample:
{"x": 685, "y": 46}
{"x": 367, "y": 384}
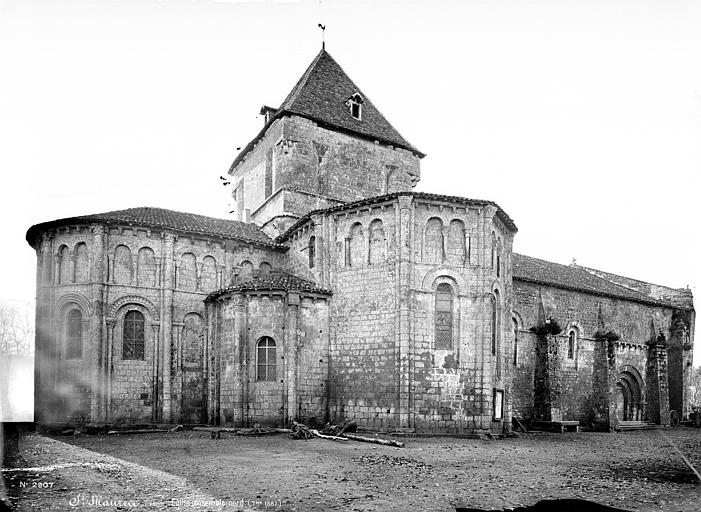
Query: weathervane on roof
{"x": 323, "y": 32}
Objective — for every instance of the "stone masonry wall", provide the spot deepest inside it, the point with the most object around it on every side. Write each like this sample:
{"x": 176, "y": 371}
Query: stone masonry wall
{"x": 586, "y": 314}
{"x": 106, "y": 271}
{"x": 297, "y": 386}
{"x": 364, "y": 367}
{"x": 303, "y": 156}
{"x": 454, "y": 387}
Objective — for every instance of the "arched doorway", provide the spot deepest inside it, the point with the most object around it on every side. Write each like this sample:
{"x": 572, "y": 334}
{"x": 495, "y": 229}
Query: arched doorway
{"x": 630, "y": 399}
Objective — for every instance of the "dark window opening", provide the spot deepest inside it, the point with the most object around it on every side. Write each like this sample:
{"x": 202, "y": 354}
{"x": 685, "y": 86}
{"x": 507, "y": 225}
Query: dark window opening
{"x": 515, "y": 342}
{"x": 267, "y": 364}
{"x": 444, "y": 317}
{"x": 74, "y": 335}
{"x": 312, "y": 251}
{"x": 494, "y": 326}
{"x": 571, "y": 344}
{"x": 133, "y": 336}
{"x": 355, "y": 103}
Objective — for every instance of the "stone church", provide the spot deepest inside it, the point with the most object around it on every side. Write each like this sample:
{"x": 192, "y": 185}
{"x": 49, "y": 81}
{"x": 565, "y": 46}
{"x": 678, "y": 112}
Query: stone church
{"x": 341, "y": 293}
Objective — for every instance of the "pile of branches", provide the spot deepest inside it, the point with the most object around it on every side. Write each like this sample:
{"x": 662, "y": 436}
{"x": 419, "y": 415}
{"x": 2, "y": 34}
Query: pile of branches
{"x": 301, "y": 431}
{"x": 338, "y": 430}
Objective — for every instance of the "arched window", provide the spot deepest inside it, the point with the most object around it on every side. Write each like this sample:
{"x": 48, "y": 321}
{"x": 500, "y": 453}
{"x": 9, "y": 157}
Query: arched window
{"x": 146, "y": 267}
{"x": 187, "y": 275}
{"x": 499, "y": 258}
{"x": 82, "y": 270}
{"x": 192, "y": 341}
{"x": 456, "y": 242}
{"x": 433, "y": 250}
{"x": 64, "y": 270}
{"x": 264, "y": 268}
{"x": 74, "y": 335}
{"x": 494, "y": 325}
{"x": 267, "y": 362}
{"x": 246, "y": 269}
{"x": 515, "y": 341}
{"x": 133, "y": 336}
{"x": 377, "y": 242}
{"x": 571, "y": 344}
{"x": 444, "y": 317}
{"x": 357, "y": 246}
{"x": 311, "y": 247}
{"x": 122, "y": 265}
{"x": 208, "y": 280}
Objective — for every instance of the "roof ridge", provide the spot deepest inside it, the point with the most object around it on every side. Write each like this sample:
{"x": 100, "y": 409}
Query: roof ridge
{"x": 135, "y": 208}
{"x": 294, "y": 93}
{"x": 275, "y": 280}
{"x": 164, "y": 218}
{"x": 613, "y": 274}
{"x": 567, "y": 278}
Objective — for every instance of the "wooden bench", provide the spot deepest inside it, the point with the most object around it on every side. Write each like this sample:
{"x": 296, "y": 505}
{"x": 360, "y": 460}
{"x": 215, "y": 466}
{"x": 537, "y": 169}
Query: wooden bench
{"x": 557, "y": 425}
{"x": 563, "y": 426}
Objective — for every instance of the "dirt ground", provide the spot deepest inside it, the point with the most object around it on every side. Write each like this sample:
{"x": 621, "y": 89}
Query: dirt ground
{"x": 637, "y": 471}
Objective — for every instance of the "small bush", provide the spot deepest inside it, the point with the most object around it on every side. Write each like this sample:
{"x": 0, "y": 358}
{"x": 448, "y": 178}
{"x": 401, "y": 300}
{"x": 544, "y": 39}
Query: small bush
{"x": 550, "y": 327}
{"x": 608, "y": 336}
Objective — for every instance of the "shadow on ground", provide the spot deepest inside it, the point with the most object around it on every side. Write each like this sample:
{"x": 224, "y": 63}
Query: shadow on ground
{"x": 563, "y": 505}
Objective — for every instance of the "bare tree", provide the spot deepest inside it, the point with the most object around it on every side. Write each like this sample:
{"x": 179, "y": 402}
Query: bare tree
{"x": 16, "y": 330}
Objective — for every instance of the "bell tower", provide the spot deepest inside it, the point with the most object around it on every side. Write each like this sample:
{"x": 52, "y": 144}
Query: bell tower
{"x": 325, "y": 145}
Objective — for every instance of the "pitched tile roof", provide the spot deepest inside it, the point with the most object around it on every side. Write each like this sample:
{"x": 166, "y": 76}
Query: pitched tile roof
{"x": 321, "y": 94}
{"x": 273, "y": 281}
{"x": 168, "y": 219}
{"x": 377, "y": 199}
{"x": 577, "y": 278}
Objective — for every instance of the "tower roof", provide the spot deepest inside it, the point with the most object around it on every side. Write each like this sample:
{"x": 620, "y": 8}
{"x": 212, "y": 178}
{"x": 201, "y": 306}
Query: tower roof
{"x": 321, "y": 95}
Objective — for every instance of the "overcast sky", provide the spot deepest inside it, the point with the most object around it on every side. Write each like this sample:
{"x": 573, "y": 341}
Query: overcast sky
{"x": 581, "y": 119}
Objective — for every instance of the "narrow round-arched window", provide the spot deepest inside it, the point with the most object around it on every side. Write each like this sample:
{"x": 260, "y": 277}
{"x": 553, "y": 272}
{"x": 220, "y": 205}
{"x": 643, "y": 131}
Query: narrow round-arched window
{"x": 74, "y": 335}
{"x": 312, "y": 251}
{"x": 444, "y": 317}
{"x": 515, "y": 341}
{"x": 133, "y": 336}
{"x": 267, "y": 363}
{"x": 495, "y": 325}
{"x": 571, "y": 344}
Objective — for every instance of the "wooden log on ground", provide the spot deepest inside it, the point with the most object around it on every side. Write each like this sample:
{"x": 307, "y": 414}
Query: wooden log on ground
{"x": 323, "y": 436}
{"x": 138, "y": 431}
{"x": 261, "y": 431}
{"x": 375, "y": 440}
{"x": 216, "y": 429}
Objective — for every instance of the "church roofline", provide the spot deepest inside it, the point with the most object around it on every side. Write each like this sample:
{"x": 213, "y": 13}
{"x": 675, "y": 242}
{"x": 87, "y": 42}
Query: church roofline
{"x": 501, "y": 214}
{"x": 171, "y": 220}
{"x": 582, "y": 279}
